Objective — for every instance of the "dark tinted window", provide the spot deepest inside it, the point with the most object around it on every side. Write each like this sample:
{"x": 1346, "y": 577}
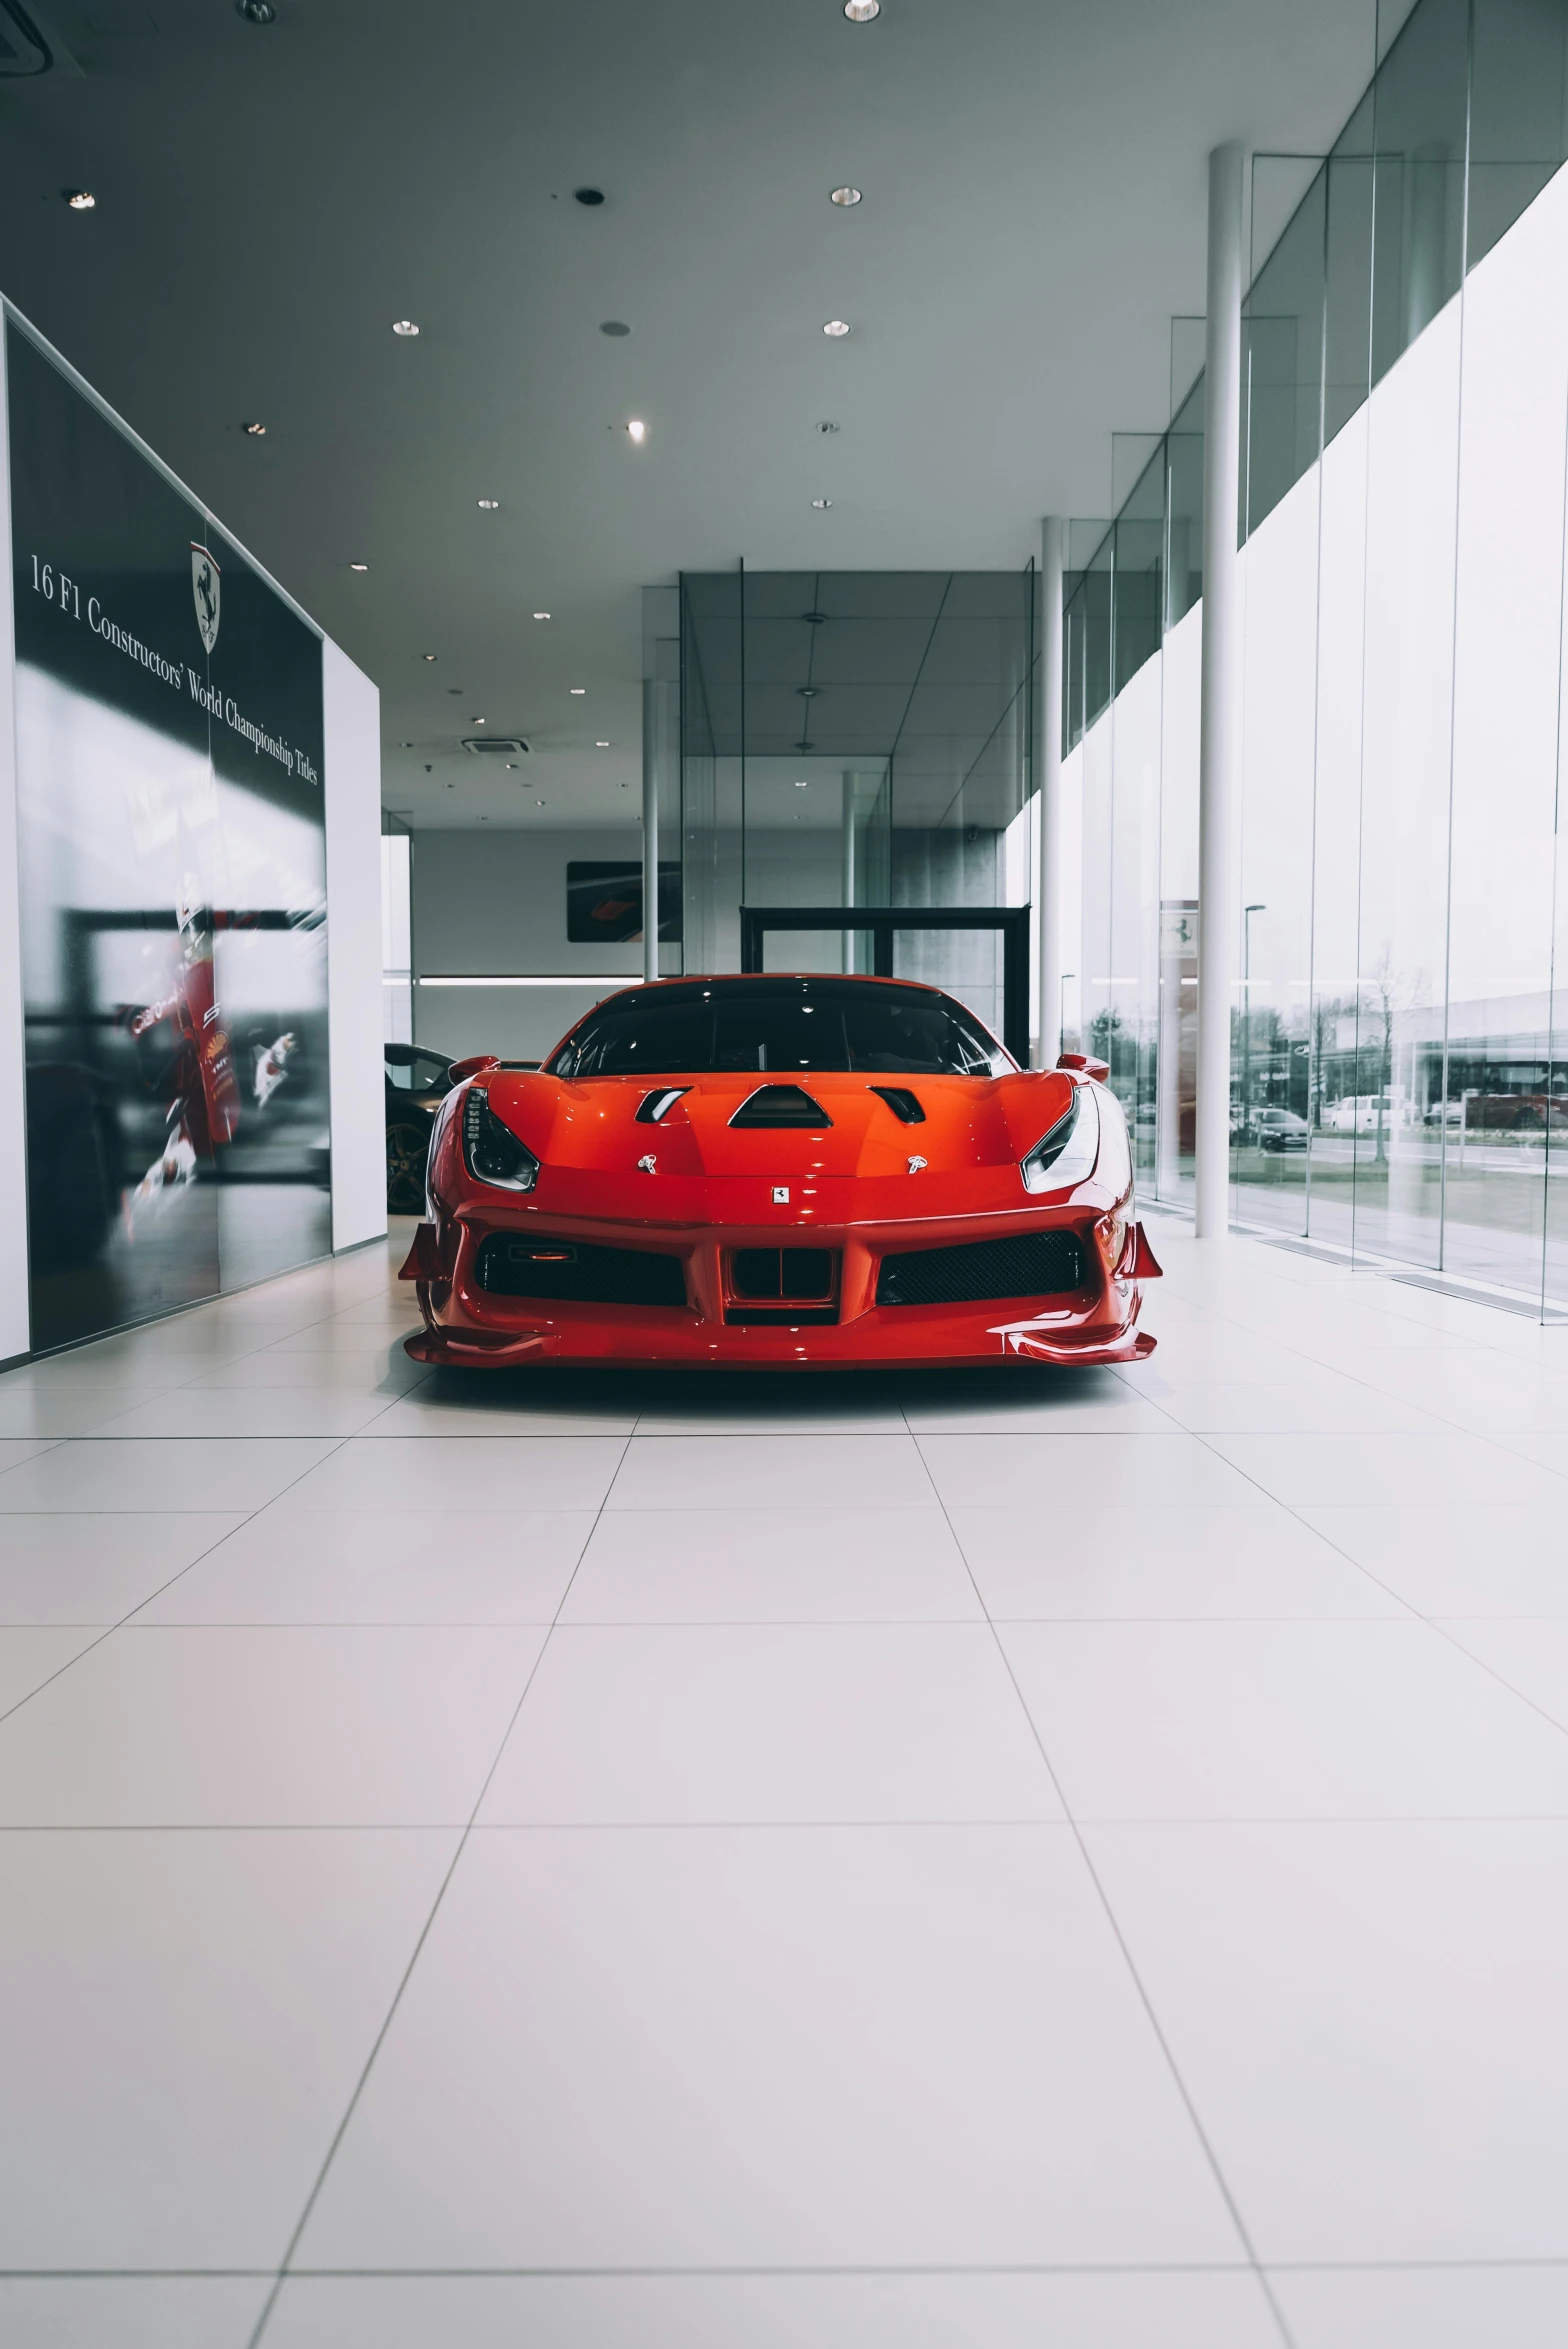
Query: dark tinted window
{"x": 412, "y": 1071}
{"x": 781, "y": 1024}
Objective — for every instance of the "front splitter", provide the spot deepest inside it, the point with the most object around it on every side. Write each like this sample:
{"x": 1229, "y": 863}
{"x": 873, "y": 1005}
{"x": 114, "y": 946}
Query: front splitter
{"x": 852, "y": 1346}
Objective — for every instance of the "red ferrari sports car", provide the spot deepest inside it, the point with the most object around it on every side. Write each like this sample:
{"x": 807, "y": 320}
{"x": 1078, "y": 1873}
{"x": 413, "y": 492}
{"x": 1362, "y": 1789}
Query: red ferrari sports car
{"x": 779, "y": 1172}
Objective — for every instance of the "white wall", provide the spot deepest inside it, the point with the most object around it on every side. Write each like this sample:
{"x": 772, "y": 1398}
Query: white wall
{"x": 352, "y": 787}
{"x": 351, "y": 728}
{"x": 494, "y": 904}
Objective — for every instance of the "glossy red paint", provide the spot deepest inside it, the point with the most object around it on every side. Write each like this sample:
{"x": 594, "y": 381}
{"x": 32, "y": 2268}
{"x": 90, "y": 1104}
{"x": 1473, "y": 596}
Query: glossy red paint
{"x": 693, "y": 1187}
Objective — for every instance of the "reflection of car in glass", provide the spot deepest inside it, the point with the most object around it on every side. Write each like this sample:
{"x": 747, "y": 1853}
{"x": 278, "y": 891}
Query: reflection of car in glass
{"x": 416, "y": 1085}
{"x": 1359, "y": 1113}
{"x": 780, "y": 1171}
{"x": 1280, "y": 1129}
{"x": 75, "y": 1169}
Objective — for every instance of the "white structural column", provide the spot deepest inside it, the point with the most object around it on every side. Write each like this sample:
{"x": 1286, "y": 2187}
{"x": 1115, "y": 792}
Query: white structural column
{"x": 351, "y": 781}
{"x": 651, "y": 748}
{"x": 1219, "y": 781}
{"x": 1048, "y": 875}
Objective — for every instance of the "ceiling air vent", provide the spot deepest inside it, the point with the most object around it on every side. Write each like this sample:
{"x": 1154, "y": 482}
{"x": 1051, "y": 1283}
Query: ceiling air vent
{"x": 490, "y": 746}
{"x": 22, "y": 48}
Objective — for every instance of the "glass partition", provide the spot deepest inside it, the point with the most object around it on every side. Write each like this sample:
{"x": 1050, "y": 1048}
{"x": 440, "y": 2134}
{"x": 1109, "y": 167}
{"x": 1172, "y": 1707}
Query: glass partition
{"x": 1399, "y": 1080}
{"x": 855, "y": 739}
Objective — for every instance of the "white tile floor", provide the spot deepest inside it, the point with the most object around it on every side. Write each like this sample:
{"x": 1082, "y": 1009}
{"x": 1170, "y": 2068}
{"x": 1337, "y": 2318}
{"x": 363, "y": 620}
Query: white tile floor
{"x": 971, "y": 1862}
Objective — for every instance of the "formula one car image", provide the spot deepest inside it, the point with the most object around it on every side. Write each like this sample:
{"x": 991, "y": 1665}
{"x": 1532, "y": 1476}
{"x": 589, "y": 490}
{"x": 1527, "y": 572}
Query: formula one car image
{"x": 779, "y": 1172}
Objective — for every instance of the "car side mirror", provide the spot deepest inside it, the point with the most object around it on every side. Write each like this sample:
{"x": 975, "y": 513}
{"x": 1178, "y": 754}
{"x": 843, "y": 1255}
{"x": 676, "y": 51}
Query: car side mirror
{"x": 472, "y": 1068}
{"x": 1098, "y": 1069}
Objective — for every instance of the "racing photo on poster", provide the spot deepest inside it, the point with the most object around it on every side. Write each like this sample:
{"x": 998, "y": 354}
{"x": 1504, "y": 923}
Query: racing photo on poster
{"x": 173, "y": 882}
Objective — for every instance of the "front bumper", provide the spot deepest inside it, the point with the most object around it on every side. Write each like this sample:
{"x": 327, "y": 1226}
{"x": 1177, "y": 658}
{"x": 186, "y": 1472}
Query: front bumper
{"x": 470, "y": 1326}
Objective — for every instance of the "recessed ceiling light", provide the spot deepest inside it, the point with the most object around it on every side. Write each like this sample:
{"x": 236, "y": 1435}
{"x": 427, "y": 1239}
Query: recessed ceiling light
{"x": 601, "y": 746}
{"x": 404, "y": 326}
{"x": 822, "y": 504}
{"x": 79, "y": 199}
{"x": 359, "y": 566}
{"x": 511, "y": 766}
{"x": 538, "y": 803}
{"x": 257, "y": 431}
{"x": 807, "y": 692}
{"x": 427, "y": 656}
{"x": 476, "y": 721}
{"x": 826, "y": 427}
{"x": 836, "y": 327}
{"x": 615, "y": 326}
{"x": 845, "y": 196}
{"x": 862, "y": 11}
{"x": 489, "y": 505}
{"x": 637, "y": 430}
{"x": 256, "y": 11}
{"x": 800, "y": 783}
{"x": 814, "y": 619}
{"x": 589, "y": 196}
{"x": 541, "y": 615}
{"x": 578, "y": 689}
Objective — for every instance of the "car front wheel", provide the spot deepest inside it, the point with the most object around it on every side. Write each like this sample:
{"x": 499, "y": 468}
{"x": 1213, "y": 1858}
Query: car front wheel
{"x": 406, "y": 1150}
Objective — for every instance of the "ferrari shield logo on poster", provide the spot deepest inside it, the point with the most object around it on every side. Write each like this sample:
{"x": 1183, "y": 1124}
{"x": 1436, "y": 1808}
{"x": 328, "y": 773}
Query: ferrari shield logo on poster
{"x": 207, "y": 589}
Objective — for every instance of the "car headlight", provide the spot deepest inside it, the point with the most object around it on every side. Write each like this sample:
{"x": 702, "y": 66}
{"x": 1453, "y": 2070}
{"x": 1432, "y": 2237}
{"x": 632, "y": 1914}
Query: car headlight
{"x": 1066, "y": 1155}
{"x": 492, "y": 1150}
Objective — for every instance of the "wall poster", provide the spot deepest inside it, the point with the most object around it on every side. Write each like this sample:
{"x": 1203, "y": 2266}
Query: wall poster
{"x": 173, "y": 883}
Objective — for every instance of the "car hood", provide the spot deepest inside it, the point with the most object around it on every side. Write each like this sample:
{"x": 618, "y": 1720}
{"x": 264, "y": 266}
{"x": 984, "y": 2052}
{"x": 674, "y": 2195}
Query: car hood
{"x": 970, "y": 1123}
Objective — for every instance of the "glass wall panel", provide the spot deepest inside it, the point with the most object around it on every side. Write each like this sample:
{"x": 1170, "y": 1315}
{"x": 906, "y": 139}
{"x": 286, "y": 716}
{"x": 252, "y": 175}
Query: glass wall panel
{"x": 1419, "y": 115}
{"x": 1271, "y": 1127}
{"x": 1128, "y": 986}
{"x": 1400, "y": 1080}
{"x": 1407, "y": 689}
{"x": 1139, "y": 571}
{"x": 1176, "y": 1093}
{"x": 1496, "y": 1103}
{"x": 1336, "y": 833}
{"x": 1282, "y": 347}
{"x": 1184, "y": 507}
{"x": 853, "y": 739}
{"x": 1519, "y": 67}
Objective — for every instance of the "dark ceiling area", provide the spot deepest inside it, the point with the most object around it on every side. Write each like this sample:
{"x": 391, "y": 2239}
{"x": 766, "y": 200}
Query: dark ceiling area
{"x": 270, "y": 198}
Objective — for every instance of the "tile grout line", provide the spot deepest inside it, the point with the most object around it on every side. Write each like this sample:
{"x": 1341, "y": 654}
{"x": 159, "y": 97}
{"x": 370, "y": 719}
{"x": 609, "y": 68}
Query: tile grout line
{"x": 1145, "y": 2000}
{"x": 107, "y": 1632}
{"x": 349, "y": 2110}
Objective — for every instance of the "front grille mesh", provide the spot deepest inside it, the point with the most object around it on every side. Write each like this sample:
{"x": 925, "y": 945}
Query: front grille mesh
{"x": 538, "y": 1266}
{"x": 1030, "y": 1264}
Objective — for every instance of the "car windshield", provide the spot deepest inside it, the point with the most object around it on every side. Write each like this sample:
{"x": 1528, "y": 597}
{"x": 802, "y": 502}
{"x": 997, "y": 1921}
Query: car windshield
{"x": 778, "y": 1023}
{"x": 412, "y": 1071}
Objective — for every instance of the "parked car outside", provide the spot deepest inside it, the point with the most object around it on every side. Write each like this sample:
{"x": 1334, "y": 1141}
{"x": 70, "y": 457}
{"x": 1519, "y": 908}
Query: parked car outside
{"x": 417, "y": 1083}
{"x": 1281, "y": 1129}
{"x": 1359, "y": 1113}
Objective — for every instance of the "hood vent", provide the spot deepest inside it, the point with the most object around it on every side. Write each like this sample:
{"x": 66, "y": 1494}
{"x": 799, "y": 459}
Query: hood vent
{"x": 655, "y": 1107}
{"x": 901, "y": 1102}
{"x": 781, "y": 1105}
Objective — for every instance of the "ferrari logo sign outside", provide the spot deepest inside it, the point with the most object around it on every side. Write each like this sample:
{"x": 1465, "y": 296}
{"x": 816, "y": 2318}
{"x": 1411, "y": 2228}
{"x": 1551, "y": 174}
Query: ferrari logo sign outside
{"x": 207, "y": 589}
